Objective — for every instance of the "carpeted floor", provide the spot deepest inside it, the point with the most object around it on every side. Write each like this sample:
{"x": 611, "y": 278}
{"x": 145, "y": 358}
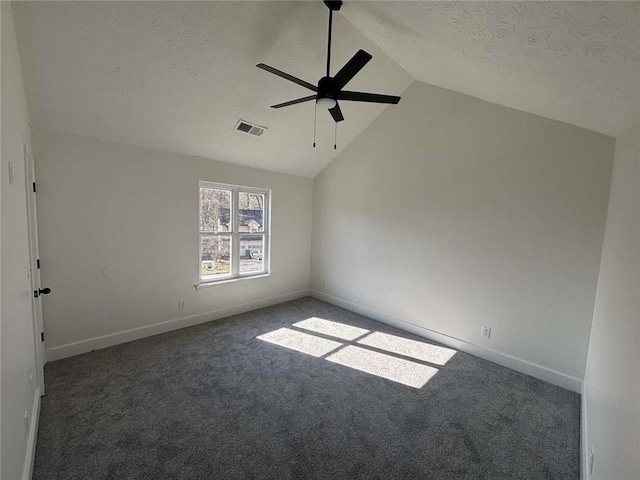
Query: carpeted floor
{"x": 216, "y": 402}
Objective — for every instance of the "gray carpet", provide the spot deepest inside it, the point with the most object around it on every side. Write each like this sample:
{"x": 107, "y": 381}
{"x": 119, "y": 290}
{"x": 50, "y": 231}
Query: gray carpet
{"x": 215, "y": 402}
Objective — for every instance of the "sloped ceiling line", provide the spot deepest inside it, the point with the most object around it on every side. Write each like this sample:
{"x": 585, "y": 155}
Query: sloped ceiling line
{"x": 177, "y": 76}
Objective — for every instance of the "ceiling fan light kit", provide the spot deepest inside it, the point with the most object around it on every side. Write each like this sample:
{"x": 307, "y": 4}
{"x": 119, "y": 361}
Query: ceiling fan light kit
{"x": 326, "y": 102}
{"x": 330, "y": 89}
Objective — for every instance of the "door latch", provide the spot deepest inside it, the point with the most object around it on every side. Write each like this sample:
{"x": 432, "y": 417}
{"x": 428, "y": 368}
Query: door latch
{"x": 41, "y": 291}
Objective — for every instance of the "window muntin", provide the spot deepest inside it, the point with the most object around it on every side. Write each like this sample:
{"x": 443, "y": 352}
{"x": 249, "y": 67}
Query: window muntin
{"x": 234, "y": 232}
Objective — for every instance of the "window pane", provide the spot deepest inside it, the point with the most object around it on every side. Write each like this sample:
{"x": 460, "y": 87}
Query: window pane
{"x": 215, "y": 256}
{"x": 251, "y": 253}
{"x": 215, "y": 209}
{"x": 251, "y": 206}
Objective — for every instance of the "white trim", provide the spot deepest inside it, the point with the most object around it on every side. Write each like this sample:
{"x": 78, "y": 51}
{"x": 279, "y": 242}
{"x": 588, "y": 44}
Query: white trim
{"x": 84, "y": 346}
{"x": 514, "y": 363}
{"x": 30, "y": 456}
{"x": 234, "y": 222}
{"x": 234, "y": 233}
{"x": 584, "y": 439}
{"x": 34, "y": 269}
{"x": 231, "y": 281}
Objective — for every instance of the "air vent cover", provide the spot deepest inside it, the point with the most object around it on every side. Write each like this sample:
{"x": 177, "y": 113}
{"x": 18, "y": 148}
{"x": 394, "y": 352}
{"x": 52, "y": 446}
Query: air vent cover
{"x": 251, "y": 128}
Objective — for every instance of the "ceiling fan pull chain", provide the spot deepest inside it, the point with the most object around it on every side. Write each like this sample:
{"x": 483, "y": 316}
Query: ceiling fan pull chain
{"x": 329, "y": 90}
{"x": 335, "y": 137}
{"x": 315, "y": 120}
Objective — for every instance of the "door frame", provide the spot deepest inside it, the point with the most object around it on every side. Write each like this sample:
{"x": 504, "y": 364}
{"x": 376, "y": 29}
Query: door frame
{"x": 34, "y": 267}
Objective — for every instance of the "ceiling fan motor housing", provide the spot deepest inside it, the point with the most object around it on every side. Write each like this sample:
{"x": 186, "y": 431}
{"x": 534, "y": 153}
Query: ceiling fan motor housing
{"x": 333, "y": 5}
{"x": 328, "y": 88}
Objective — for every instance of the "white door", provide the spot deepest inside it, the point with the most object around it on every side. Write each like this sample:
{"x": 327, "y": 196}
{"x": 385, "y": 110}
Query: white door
{"x": 34, "y": 251}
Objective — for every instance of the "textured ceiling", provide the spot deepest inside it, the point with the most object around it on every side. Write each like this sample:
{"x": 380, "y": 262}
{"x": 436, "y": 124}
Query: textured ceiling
{"x": 575, "y": 62}
{"x": 176, "y": 76}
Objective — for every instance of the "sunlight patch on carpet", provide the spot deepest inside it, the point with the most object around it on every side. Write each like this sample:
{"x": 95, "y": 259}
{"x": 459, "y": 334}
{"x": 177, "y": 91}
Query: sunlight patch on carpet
{"x": 333, "y": 329}
{"x": 408, "y": 348}
{"x": 396, "y": 369}
{"x": 300, "y": 342}
{"x": 392, "y": 357}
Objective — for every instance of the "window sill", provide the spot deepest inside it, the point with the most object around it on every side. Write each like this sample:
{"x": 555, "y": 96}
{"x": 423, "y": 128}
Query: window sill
{"x": 231, "y": 281}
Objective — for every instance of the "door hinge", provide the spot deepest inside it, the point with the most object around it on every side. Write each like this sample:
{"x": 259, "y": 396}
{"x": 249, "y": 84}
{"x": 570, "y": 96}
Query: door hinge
{"x": 38, "y": 263}
{"x": 42, "y": 336}
{"x": 34, "y": 187}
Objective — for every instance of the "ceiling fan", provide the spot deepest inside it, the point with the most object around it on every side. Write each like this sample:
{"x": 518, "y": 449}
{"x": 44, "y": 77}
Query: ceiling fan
{"x": 330, "y": 89}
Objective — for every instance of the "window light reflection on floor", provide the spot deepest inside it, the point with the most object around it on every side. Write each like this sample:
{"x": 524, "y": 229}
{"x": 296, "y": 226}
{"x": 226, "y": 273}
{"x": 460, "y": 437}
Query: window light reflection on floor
{"x": 408, "y": 348}
{"x": 359, "y": 349}
{"x": 301, "y": 342}
{"x": 382, "y": 365}
{"x": 333, "y": 329}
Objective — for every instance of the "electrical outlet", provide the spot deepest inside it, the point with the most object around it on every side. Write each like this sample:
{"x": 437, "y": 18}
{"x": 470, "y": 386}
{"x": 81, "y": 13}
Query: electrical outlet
{"x": 485, "y": 331}
{"x": 180, "y": 305}
{"x": 592, "y": 458}
{"x": 26, "y": 421}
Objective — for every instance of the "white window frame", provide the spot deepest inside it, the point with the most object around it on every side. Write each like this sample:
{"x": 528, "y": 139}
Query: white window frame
{"x": 234, "y": 221}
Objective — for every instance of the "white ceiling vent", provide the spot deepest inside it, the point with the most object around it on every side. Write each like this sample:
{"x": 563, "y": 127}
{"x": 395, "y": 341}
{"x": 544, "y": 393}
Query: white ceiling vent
{"x": 247, "y": 127}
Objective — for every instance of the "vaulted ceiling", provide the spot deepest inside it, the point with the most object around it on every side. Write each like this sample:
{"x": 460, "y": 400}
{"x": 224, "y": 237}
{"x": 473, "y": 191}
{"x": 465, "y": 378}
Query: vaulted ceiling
{"x": 573, "y": 61}
{"x": 177, "y": 76}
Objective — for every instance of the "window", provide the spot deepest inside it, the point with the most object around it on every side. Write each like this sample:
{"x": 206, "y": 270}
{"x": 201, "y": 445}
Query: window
{"x": 234, "y": 232}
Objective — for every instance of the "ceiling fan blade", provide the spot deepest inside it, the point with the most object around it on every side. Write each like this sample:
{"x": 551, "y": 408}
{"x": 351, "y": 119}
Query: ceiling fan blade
{"x": 336, "y": 113}
{"x": 367, "y": 97}
{"x": 286, "y": 76}
{"x": 351, "y": 68}
{"x": 293, "y": 102}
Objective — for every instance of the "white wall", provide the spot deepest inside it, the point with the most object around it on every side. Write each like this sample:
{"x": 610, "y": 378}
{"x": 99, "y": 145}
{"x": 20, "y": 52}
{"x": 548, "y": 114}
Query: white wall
{"x": 18, "y": 392}
{"x": 119, "y": 240}
{"x": 451, "y": 213}
{"x": 612, "y": 381}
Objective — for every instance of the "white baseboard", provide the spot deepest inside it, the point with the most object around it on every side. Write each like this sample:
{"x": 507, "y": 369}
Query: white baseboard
{"x": 514, "y": 363}
{"x": 84, "y": 346}
{"x": 584, "y": 438}
{"x": 30, "y": 456}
